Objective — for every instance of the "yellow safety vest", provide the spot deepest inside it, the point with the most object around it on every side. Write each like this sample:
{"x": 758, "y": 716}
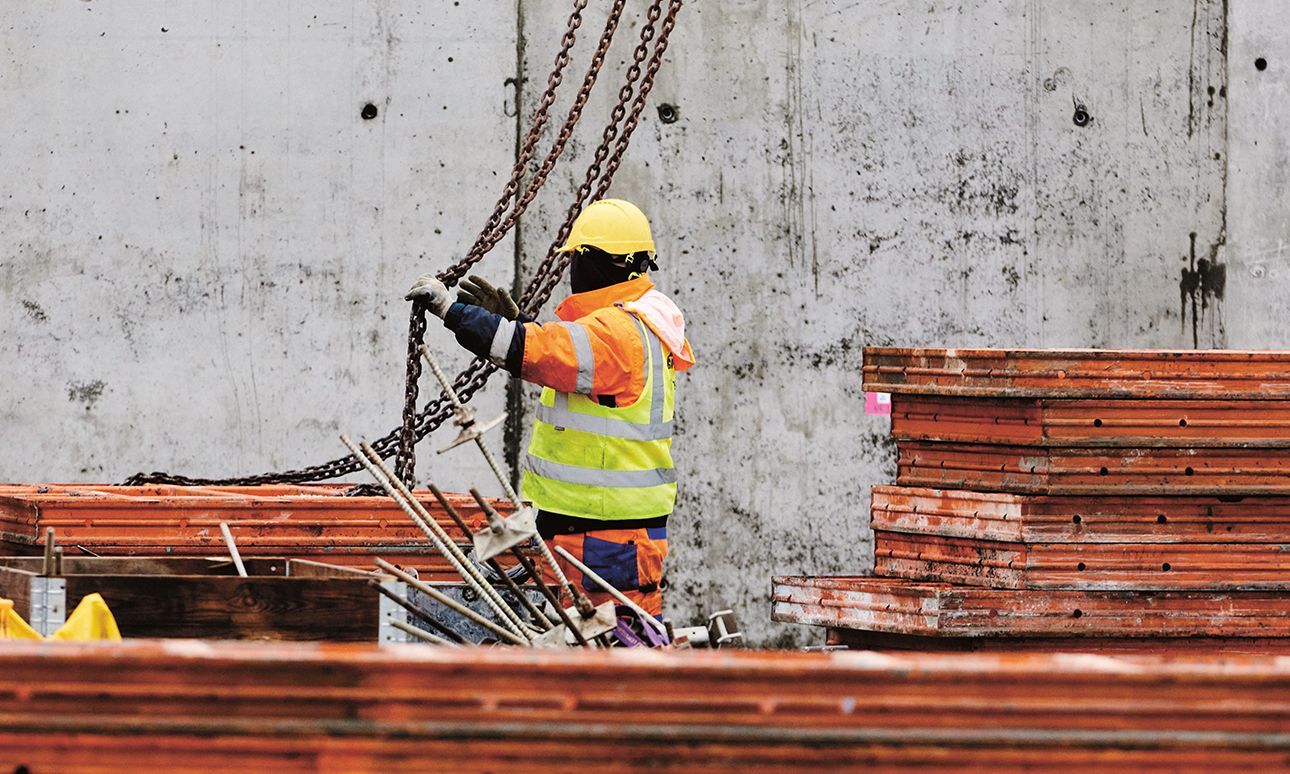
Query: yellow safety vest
{"x": 595, "y": 462}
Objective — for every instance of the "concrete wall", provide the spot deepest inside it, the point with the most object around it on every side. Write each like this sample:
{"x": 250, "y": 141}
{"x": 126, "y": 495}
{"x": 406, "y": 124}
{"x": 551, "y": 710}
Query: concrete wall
{"x": 204, "y": 243}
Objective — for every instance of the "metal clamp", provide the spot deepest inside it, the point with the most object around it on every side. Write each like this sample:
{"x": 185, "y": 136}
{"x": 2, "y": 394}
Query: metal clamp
{"x": 48, "y": 604}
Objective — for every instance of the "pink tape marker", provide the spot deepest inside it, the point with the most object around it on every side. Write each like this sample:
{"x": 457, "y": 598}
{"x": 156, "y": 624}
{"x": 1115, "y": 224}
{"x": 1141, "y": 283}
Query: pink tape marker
{"x": 877, "y": 403}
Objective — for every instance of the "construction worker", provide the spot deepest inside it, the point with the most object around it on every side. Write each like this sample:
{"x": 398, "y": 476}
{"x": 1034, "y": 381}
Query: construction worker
{"x": 599, "y": 466}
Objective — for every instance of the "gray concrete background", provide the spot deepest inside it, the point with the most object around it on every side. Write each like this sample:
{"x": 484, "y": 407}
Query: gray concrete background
{"x": 205, "y": 245}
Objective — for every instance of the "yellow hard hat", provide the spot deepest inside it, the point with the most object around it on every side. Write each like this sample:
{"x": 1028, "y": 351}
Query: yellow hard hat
{"x": 613, "y": 225}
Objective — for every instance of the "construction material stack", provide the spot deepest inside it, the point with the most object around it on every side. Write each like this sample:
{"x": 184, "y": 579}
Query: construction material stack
{"x": 1104, "y": 500}
{"x": 181, "y": 706}
{"x": 320, "y": 522}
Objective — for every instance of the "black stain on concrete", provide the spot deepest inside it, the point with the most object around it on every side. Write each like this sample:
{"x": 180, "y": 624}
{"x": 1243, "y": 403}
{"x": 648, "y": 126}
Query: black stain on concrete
{"x": 1203, "y": 280}
{"x": 86, "y": 392}
{"x": 986, "y": 185}
{"x": 34, "y": 311}
{"x": 1011, "y": 276}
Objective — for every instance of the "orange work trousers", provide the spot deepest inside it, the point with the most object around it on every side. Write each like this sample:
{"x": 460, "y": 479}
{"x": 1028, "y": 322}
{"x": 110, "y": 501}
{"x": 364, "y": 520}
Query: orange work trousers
{"x": 630, "y": 560}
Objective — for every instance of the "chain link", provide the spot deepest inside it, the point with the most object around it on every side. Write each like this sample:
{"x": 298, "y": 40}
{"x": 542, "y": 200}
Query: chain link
{"x": 606, "y": 160}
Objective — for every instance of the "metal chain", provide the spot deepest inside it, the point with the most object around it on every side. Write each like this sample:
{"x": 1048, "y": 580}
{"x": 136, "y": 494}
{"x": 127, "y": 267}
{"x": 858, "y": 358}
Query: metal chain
{"x": 496, "y": 228}
{"x": 599, "y": 176}
{"x": 548, "y": 275}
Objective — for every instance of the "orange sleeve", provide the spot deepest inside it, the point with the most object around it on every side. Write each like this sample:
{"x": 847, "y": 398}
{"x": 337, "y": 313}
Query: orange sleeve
{"x": 600, "y": 354}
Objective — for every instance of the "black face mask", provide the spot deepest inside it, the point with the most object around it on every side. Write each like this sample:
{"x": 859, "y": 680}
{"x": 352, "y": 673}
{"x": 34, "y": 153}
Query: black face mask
{"x": 593, "y": 269}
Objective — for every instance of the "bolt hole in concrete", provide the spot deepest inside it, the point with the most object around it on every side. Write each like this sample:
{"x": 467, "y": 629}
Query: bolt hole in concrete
{"x": 1082, "y": 117}
{"x": 1260, "y": 64}
{"x": 369, "y": 112}
{"x": 668, "y": 114}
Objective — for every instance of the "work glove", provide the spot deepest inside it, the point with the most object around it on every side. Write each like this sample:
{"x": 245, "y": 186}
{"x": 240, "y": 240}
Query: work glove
{"x": 431, "y": 292}
{"x": 478, "y": 292}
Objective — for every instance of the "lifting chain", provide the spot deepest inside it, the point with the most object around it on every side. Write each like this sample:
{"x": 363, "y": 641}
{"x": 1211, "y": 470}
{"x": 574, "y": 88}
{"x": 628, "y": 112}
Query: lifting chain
{"x": 632, "y": 96}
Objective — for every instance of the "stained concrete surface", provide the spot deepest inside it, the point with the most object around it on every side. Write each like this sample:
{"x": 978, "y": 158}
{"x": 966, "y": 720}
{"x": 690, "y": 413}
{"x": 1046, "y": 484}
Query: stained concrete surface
{"x": 205, "y": 241}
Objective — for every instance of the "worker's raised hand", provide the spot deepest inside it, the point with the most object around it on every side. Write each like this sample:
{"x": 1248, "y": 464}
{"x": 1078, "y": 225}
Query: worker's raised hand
{"x": 476, "y": 290}
{"x": 431, "y": 292}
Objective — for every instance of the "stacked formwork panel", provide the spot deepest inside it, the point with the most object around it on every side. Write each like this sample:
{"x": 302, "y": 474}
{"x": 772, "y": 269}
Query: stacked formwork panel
{"x": 317, "y": 522}
{"x": 1103, "y": 499}
{"x": 184, "y": 706}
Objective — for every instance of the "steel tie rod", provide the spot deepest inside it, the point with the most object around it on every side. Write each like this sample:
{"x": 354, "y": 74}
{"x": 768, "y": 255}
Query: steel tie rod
{"x": 580, "y": 601}
{"x": 544, "y": 622}
{"x": 613, "y": 592}
{"x": 438, "y": 538}
{"x": 448, "y": 602}
{"x": 447, "y": 541}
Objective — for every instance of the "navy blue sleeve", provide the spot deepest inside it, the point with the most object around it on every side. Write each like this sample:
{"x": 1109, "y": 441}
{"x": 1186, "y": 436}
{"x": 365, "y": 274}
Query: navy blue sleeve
{"x": 479, "y": 330}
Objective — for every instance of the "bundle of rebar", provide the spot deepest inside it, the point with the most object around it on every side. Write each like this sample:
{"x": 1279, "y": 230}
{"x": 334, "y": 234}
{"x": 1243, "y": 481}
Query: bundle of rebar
{"x": 1098, "y": 499}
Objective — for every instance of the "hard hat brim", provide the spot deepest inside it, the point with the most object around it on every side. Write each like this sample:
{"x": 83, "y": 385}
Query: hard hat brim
{"x": 613, "y": 248}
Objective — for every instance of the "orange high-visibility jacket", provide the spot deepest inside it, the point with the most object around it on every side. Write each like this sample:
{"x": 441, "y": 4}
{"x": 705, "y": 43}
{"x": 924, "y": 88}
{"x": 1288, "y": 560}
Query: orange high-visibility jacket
{"x": 617, "y": 349}
{"x": 608, "y": 349}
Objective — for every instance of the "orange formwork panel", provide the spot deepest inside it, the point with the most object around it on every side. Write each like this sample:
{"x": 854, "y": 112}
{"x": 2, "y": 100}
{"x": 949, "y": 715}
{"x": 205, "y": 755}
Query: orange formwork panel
{"x": 836, "y": 638}
{"x": 197, "y": 706}
{"x": 314, "y": 522}
{"x": 1079, "y": 373}
{"x": 897, "y": 606}
{"x": 1093, "y": 471}
{"x": 1107, "y": 422}
{"x": 1129, "y": 566}
{"x": 1080, "y": 519}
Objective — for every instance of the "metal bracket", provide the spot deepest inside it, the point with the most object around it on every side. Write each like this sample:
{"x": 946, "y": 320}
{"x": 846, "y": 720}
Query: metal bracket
{"x": 48, "y": 604}
{"x": 504, "y": 534}
{"x": 603, "y": 621}
{"x": 472, "y": 632}
{"x": 389, "y": 611}
{"x": 723, "y": 629}
{"x": 470, "y": 429}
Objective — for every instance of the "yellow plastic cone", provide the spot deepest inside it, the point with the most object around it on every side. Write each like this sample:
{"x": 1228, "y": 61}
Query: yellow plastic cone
{"x": 12, "y": 627}
{"x": 91, "y": 620}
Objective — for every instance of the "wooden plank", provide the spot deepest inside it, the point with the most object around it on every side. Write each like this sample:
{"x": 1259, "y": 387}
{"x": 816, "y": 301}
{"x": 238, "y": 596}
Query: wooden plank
{"x": 330, "y": 609}
{"x": 15, "y": 584}
{"x": 304, "y": 568}
{"x": 142, "y": 565}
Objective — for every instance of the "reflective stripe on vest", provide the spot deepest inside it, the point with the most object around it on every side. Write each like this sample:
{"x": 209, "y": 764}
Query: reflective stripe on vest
{"x": 596, "y": 462}
{"x": 613, "y": 479}
{"x": 656, "y": 429}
